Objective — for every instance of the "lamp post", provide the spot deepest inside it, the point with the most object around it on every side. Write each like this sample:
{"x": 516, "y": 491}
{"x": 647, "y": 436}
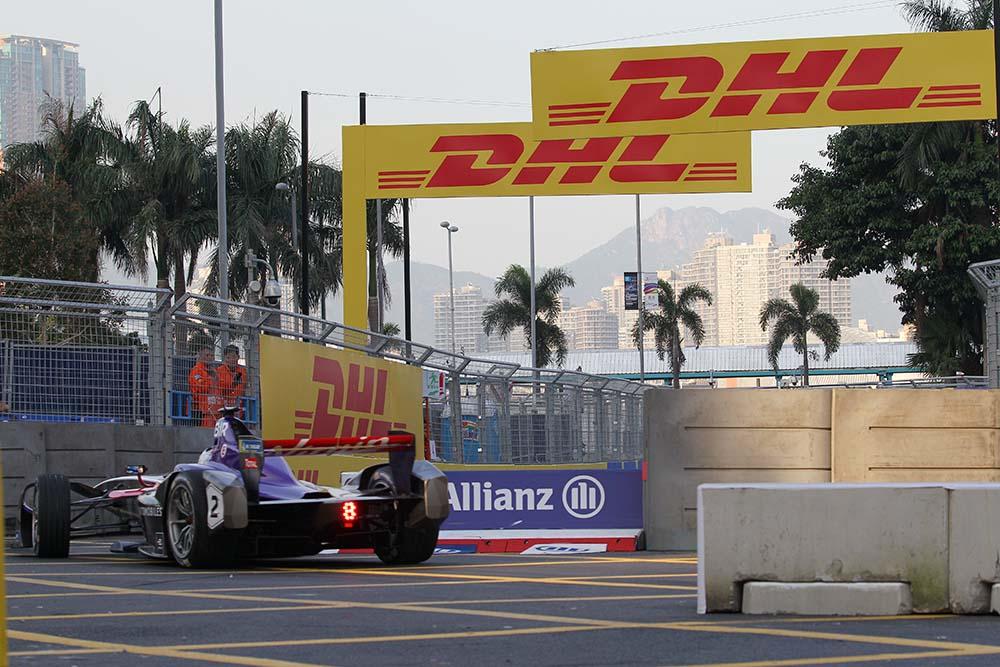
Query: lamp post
{"x": 451, "y": 229}
{"x": 285, "y": 187}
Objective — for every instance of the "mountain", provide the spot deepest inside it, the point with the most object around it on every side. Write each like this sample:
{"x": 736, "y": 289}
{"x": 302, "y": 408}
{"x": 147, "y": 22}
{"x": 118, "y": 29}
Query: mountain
{"x": 669, "y": 238}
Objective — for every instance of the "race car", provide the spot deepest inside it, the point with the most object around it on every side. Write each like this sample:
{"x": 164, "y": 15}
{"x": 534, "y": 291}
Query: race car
{"x": 241, "y": 500}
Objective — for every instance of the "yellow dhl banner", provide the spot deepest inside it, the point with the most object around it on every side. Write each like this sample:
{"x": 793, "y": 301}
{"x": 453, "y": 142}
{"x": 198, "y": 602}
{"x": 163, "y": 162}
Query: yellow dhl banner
{"x": 818, "y": 82}
{"x": 502, "y": 159}
{"x": 308, "y": 390}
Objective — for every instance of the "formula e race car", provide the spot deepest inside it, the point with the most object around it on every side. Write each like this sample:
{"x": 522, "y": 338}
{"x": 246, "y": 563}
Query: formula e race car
{"x": 241, "y": 500}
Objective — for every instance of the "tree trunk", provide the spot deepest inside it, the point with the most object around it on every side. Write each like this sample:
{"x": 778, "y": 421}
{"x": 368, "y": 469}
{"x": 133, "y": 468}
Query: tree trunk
{"x": 805, "y": 367}
{"x": 372, "y": 290}
{"x": 180, "y": 284}
{"x": 675, "y": 362}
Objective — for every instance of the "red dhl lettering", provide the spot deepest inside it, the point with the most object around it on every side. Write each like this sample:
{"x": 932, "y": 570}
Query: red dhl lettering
{"x": 361, "y": 391}
{"x": 653, "y": 93}
{"x": 483, "y": 160}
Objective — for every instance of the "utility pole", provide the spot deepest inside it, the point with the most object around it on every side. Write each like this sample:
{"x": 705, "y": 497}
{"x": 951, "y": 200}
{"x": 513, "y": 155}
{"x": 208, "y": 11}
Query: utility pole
{"x": 642, "y": 292}
{"x": 407, "y": 330}
{"x": 220, "y": 158}
{"x": 304, "y": 192}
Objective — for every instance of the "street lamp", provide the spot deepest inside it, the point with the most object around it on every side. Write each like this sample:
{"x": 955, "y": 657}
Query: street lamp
{"x": 451, "y": 229}
{"x": 285, "y": 187}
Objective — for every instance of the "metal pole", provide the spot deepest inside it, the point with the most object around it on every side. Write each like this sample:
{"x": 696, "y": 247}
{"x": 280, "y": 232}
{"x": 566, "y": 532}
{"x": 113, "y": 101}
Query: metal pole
{"x": 406, "y": 271}
{"x": 295, "y": 235}
{"x": 220, "y": 158}
{"x": 642, "y": 291}
{"x": 304, "y": 192}
{"x": 379, "y": 268}
{"x": 531, "y": 234}
{"x": 451, "y": 283}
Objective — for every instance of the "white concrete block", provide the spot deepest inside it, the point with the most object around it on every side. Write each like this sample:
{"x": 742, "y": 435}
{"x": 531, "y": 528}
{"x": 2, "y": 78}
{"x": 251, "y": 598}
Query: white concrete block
{"x": 995, "y": 599}
{"x": 973, "y": 546}
{"x": 822, "y": 533}
{"x": 823, "y": 599}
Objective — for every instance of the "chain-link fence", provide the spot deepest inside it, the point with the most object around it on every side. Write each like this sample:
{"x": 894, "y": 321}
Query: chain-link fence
{"x": 986, "y": 277}
{"x": 100, "y": 353}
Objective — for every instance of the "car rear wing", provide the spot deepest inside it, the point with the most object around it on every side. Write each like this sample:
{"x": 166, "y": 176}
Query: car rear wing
{"x": 332, "y": 446}
{"x": 401, "y": 447}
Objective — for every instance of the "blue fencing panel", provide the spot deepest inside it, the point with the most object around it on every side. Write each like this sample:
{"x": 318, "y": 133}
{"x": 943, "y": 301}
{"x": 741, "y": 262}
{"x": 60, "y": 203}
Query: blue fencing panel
{"x": 83, "y": 382}
{"x": 480, "y": 439}
{"x": 533, "y": 499}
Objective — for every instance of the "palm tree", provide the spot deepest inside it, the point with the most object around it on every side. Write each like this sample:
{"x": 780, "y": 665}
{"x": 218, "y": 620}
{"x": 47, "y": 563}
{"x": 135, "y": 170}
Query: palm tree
{"x": 513, "y": 311}
{"x": 675, "y": 311}
{"x": 392, "y": 245}
{"x": 795, "y": 319}
{"x": 173, "y": 173}
{"x": 258, "y": 157}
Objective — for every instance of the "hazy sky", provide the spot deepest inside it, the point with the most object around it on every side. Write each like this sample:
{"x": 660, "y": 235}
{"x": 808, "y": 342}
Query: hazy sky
{"x": 468, "y": 50}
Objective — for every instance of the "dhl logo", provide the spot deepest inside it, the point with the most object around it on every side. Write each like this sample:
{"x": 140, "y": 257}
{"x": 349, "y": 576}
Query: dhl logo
{"x": 362, "y": 391}
{"x": 482, "y": 160}
{"x": 704, "y": 89}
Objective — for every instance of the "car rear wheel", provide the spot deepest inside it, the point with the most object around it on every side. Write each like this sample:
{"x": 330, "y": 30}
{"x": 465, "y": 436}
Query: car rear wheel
{"x": 189, "y": 538}
{"x": 50, "y": 517}
{"x": 411, "y": 546}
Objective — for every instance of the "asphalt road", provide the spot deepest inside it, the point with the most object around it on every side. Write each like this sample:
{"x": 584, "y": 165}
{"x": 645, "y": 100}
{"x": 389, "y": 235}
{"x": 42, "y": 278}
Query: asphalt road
{"x": 98, "y": 608}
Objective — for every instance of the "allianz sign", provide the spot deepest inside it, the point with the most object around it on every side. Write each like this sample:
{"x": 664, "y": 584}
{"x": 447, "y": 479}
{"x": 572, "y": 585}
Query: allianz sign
{"x": 498, "y": 499}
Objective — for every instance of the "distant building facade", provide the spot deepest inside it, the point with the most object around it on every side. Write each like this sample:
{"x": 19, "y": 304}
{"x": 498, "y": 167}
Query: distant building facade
{"x": 590, "y": 327}
{"x": 33, "y": 73}
{"x": 469, "y": 336}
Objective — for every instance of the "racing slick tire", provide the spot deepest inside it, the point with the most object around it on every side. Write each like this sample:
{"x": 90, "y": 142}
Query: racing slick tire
{"x": 412, "y": 546}
{"x": 189, "y": 539}
{"x": 50, "y": 518}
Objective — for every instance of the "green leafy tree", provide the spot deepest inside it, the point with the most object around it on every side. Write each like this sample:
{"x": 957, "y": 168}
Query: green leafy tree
{"x": 44, "y": 234}
{"x": 796, "y": 319}
{"x": 676, "y": 312}
{"x": 918, "y": 201}
{"x": 85, "y": 152}
{"x": 512, "y": 310}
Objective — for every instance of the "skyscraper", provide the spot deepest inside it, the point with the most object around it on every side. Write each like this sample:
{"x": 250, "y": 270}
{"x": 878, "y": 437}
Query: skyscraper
{"x": 33, "y": 73}
{"x": 834, "y": 295}
{"x": 590, "y": 327}
{"x": 746, "y": 277}
{"x": 469, "y": 336}
{"x": 704, "y": 270}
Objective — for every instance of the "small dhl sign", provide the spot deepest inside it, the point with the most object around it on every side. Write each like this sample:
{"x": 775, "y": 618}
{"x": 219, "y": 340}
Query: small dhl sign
{"x": 797, "y": 83}
{"x": 502, "y": 159}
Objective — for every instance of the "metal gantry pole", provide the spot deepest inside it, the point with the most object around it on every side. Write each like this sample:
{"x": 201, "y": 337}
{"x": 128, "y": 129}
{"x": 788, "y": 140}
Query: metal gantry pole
{"x": 304, "y": 193}
{"x": 379, "y": 268}
{"x": 642, "y": 291}
{"x": 407, "y": 331}
{"x": 531, "y": 235}
{"x": 220, "y": 158}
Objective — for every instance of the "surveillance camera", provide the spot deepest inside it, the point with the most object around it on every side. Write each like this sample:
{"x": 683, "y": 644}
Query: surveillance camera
{"x": 272, "y": 293}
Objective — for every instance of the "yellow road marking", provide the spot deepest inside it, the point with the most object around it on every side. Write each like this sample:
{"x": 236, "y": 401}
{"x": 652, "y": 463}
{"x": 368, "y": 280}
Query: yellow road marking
{"x": 175, "y": 612}
{"x": 159, "y": 651}
{"x": 839, "y": 660}
{"x": 594, "y": 598}
{"x": 563, "y": 581}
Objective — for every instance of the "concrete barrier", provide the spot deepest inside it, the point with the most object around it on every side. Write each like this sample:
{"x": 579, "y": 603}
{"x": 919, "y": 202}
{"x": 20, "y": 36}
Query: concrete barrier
{"x": 738, "y": 435}
{"x": 858, "y": 599}
{"x": 822, "y": 533}
{"x": 973, "y": 546}
{"x": 939, "y": 540}
{"x": 808, "y": 436}
{"x": 916, "y": 435}
{"x": 90, "y": 452}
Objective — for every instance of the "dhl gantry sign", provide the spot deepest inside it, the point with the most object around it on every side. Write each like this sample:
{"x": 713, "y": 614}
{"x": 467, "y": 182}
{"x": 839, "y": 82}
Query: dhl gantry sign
{"x": 818, "y": 82}
{"x": 503, "y": 159}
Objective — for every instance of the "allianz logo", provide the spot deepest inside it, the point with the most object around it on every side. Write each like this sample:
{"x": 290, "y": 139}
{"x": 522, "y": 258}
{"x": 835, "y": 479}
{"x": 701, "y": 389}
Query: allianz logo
{"x": 582, "y": 497}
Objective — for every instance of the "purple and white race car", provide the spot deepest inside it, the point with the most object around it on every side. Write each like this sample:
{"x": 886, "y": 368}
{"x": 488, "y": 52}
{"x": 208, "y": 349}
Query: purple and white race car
{"x": 241, "y": 500}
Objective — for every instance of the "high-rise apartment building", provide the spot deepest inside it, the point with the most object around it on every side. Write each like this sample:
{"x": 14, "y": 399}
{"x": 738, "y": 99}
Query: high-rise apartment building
{"x": 704, "y": 270}
{"x": 590, "y": 327}
{"x": 746, "y": 277}
{"x": 33, "y": 73}
{"x": 834, "y": 295}
{"x": 469, "y": 336}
